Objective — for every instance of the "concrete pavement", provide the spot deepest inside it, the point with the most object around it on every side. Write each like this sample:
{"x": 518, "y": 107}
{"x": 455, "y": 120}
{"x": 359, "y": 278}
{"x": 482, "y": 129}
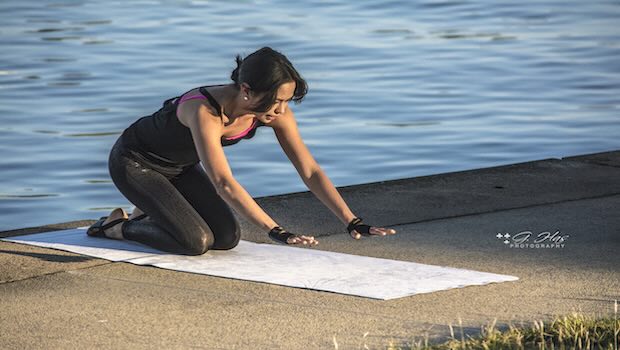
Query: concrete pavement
{"x": 55, "y": 299}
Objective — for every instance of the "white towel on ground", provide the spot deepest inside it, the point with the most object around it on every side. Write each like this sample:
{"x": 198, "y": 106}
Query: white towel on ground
{"x": 319, "y": 270}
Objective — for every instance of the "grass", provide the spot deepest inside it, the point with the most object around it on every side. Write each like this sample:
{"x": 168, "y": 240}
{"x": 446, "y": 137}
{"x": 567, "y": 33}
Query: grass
{"x": 575, "y": 331}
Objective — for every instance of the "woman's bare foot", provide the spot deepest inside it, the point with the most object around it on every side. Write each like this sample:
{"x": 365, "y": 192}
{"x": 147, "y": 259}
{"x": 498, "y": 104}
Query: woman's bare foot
{"x": 115, "y": 231}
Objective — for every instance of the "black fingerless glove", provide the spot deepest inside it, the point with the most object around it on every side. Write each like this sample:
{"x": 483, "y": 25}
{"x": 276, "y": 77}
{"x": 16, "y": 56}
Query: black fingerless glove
{"x": 280, "y": 235}
{"x": 357, "y": 225}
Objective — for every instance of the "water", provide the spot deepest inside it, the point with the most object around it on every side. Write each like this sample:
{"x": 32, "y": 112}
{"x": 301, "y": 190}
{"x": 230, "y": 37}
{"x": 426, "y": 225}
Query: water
{"x": 397, "y": 88}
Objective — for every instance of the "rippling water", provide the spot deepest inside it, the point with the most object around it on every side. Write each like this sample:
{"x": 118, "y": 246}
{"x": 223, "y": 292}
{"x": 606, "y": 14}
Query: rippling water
{"x": 397, "y": 88}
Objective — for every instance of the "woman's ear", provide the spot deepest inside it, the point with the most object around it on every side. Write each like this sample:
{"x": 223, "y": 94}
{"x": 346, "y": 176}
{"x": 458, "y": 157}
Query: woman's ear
{"x": 245, "y": 90}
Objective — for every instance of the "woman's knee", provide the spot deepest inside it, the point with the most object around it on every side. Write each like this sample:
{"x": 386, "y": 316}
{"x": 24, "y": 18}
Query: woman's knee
{"x": 199, "y": 243}
{"x": 228, "y": 239}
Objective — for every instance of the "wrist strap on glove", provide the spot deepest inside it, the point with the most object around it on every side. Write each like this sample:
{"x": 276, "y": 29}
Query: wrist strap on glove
{"x": 280, "y": 235}
{"x": 357, "y": 225}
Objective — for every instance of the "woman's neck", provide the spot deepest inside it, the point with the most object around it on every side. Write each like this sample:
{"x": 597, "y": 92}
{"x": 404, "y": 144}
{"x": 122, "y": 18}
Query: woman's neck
{"x": 227, "y": 95}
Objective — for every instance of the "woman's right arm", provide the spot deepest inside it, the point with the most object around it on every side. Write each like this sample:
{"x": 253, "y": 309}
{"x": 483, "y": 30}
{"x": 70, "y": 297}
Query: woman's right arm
{"x": 206, "y": 130}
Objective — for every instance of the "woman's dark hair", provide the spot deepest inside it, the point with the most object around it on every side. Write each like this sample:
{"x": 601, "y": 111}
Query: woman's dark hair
{"x": 265, "y": 70}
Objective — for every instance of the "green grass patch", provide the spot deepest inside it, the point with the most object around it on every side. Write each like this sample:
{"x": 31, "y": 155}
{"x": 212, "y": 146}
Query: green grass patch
{"x": 575, "y": 331}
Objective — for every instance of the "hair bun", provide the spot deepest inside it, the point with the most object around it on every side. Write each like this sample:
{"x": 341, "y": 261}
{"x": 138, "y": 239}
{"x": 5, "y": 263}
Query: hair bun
{"x": 235, "y": 73}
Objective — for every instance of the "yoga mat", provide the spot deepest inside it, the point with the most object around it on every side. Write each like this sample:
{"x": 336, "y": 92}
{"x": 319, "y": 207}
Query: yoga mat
{"x": 363, "y": 276}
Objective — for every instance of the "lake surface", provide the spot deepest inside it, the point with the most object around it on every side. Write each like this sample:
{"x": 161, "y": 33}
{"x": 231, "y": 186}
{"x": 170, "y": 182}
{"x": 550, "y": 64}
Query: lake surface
{"x": 397, "y": 88}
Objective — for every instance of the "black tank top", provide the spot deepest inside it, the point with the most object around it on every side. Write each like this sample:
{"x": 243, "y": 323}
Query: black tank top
{"x": 163, "y": 142}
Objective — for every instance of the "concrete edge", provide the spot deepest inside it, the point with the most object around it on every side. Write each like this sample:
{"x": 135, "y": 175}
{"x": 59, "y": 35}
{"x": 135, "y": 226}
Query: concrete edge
{"x": 600, "y": 158}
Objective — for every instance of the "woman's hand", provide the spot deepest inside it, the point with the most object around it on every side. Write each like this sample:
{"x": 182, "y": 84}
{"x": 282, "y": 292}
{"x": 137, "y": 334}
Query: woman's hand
{"x": 357, "y": 229}
{"x": 301, "y": 239}
{"x": 378, "y": 231}
{"x": 280, "y": 235}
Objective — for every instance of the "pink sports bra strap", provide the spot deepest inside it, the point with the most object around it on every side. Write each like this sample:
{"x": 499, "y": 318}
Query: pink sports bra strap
{"x": 243, "y": 133}
{"x": 185, "y": 98}
{"x": 201, "y": 96}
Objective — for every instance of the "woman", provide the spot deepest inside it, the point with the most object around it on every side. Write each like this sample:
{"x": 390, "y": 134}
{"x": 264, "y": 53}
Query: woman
{"x": 184, "y": 208}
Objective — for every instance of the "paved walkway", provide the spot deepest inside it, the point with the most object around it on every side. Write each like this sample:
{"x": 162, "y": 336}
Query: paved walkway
{"x": 55, "y": 299}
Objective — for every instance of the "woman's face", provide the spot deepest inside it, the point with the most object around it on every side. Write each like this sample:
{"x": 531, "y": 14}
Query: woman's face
{"x": 285, "y": 93}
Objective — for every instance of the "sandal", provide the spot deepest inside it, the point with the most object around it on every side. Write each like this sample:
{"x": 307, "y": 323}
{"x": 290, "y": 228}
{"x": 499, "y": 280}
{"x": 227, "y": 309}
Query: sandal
{"x": 139, "y": 217}
{"x": 97, "y": 229}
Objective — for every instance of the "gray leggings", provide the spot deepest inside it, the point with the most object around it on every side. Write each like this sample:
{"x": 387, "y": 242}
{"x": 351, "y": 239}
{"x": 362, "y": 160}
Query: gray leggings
{"x": 187, "y": 216}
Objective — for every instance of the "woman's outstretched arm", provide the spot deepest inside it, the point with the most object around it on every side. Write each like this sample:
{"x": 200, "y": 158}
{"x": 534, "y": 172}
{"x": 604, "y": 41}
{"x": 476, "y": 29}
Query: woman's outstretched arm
{"x": 311, "y": 173}
{"x": 206, "y": 132}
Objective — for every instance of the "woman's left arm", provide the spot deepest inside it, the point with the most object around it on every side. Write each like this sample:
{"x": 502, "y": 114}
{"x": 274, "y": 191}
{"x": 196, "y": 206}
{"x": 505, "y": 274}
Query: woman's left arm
{"x": 287, "y": 133}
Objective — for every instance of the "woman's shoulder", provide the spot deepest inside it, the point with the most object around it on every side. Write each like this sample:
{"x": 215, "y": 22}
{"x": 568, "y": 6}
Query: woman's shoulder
{"x": 191, "y": 102}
